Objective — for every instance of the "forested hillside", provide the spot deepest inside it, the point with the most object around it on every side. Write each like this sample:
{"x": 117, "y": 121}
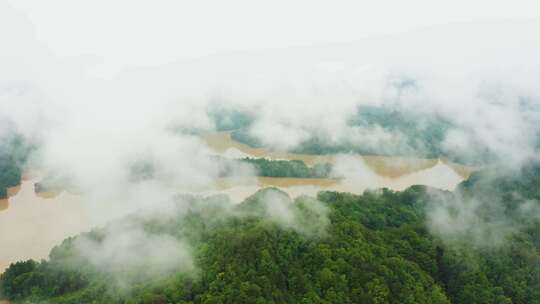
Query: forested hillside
{"x": 379, "y": 247}
{"x": 414, "y": 135}
{"x": 14, "y": 152}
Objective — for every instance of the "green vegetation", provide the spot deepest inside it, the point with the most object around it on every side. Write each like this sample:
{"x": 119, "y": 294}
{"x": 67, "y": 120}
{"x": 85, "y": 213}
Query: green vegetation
{"x": 55, "y": 183}
{"x": 288, "y": 168}
{"x": 278, "y": 168}
{"x": 141, "y": 170}
{"x": 13, "y": 154}
{"x": 423, "y": 134}
{"x": 229, "y": 119}
{"x": 417, "y": 135}
{"x": 341, "y": 248}
{"x": 243, "y": 136}
{"x": 10, "y": 174}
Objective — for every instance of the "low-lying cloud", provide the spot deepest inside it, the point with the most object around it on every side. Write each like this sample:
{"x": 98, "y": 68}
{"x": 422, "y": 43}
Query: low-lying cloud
{"x": 92, "y": 128}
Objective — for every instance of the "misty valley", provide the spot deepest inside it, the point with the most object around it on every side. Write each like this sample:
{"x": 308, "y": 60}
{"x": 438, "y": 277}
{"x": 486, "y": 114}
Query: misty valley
{"x": 378, "y": 247}
{"x": 419, "y": 244}
{"x": 269, "y": 152}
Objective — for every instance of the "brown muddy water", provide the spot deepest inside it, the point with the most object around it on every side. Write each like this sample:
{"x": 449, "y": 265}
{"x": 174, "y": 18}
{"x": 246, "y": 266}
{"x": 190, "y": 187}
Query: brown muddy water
{"x": 388, "y": 166}
{"x": 32, "y": 224}
{"x": 362, "y": 172}
{"x": 439, "y": 176}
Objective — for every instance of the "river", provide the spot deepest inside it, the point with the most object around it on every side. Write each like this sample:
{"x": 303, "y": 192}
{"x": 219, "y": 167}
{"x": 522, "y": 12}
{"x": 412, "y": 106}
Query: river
{"x": 30, "y": 224}
{"x": 387, "y": 166}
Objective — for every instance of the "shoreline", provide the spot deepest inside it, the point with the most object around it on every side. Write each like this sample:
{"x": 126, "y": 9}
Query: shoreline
{"x": 388, "y": 166}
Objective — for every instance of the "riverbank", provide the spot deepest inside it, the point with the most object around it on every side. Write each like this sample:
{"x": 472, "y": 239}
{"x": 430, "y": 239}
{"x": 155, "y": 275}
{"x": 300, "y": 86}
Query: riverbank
{"x": 388, "y": 166}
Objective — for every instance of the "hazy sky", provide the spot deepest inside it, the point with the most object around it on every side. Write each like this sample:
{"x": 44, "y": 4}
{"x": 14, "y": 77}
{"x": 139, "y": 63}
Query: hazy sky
{"x": 154, "y": 32}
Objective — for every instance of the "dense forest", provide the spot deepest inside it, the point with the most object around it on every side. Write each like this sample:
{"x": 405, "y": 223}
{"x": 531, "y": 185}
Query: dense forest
{"x": 14, "y": 151}
{"x": 142, "y": 170}
{"x": 378, "y": 247}
{"x": 276, "y": 168}
{"x": 10, "y": 174}
{"x": 288, "y": 168}
{"x": 417, "y": 135}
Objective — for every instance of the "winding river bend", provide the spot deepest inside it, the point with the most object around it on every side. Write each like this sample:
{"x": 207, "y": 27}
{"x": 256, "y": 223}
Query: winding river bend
{"x": 387, "y": 166}
{"x": 31, "y": 224}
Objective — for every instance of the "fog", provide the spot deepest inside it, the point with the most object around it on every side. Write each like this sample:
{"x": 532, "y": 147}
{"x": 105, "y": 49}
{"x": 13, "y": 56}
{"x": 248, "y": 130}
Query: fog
{"x": 92, "y": 123}
{"x": 479, "y": 222}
